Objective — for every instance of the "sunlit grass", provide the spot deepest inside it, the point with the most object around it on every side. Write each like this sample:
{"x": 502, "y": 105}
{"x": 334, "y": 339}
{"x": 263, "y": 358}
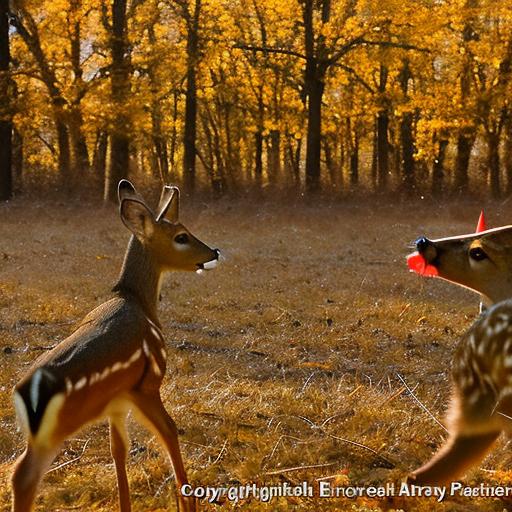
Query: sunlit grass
{"x": 286, "y": 356}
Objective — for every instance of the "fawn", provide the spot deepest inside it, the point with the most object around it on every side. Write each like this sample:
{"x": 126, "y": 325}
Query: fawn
{"x": 116, "y": 359}
{"x": 481, "y": 404}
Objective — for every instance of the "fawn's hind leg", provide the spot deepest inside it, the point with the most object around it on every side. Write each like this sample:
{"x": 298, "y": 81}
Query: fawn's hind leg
{"x": 458, "y": 454}
{"x": 28, "y": 472}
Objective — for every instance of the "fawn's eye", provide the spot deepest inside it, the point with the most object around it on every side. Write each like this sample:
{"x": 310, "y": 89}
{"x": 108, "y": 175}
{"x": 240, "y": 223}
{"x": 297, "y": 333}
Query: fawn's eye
{"x": 477, "y": 254}
{"x": 182, "y": 238}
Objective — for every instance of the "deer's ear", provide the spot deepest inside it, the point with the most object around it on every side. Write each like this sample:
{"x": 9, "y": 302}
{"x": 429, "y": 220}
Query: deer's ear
{"x": 169, "y": 204}
{"x": 126, "y": 190}
{"x": 137, "y": 217}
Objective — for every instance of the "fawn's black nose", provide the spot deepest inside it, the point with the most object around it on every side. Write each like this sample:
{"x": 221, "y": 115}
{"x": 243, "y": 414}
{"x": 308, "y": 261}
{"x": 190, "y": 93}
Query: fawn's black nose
{"x": 422, "y": 243}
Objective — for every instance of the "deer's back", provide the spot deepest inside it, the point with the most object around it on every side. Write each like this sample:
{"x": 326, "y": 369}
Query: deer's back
{"x": 110, "y": 348}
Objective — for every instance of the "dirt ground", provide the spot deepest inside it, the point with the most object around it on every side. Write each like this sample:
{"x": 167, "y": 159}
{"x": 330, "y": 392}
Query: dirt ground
{"x": 285, "y": 364}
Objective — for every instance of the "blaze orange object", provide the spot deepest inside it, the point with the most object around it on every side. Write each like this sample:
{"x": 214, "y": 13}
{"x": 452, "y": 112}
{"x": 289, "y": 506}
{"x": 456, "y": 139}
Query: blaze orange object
{"x": 481, "y": 226}
{"x": 417, "y": 263}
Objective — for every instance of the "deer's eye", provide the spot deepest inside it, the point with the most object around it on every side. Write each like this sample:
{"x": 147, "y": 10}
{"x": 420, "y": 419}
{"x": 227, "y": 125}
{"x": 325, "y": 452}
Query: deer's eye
{"x": 182, "y": 238}
{"x": 477, "y": 254}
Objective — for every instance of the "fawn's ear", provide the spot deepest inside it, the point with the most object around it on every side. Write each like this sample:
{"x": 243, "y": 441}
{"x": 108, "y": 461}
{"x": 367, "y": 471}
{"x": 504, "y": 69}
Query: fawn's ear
{"x": 126, "y": 190}
{"x": 169, "y": 204}
{"x": 137, "y": 217}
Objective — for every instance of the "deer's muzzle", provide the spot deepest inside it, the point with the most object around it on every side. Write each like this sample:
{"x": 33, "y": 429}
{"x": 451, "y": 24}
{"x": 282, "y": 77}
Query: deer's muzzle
{"x": 423, "y": 260}
{"x": 209, "y": 265}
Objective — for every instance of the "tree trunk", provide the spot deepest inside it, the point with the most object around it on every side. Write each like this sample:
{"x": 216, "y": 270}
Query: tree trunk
{"x": 508, "y": 154}
{"x": 6, "y": 126}
{"x": 120, "y": 88}
{"x": 354, "y": 161}
{"x": 64, "y": 150}
{"x": 258, "y": 158}
{"x": 292, "y": 160}
{"x": 190, "y": 130}
{"x": 407, "y": 144}
{"x": 375, "y": 159}
{"x": 406, "y": 135}
{"x": 76, "y": 122}
{"x": 382, "y": 150}
{"x": 274, "y": 157}
{"x": 17, "y": 160}
{"x": 314, "y": 135}
{"x": 78, "y": 141}
{"x": 382, "y": 134}
{"x": 258, "y": 140}
{"x": 330, "y": 162}
{"x": 27, "y": 29}
{"x": 100, "y": 153}
{"x": 314, "y": 77}
{"x": 438, "y": 168}
{"x": 159, "y": 143}
{"x": 174, "y": 136}
{"x": 493, "y": 162}
{"x": 466, "y": 136}
{"x": 465, "y": 141}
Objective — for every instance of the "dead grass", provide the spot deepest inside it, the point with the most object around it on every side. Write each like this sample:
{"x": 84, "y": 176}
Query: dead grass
{"x": 287, "y": 356}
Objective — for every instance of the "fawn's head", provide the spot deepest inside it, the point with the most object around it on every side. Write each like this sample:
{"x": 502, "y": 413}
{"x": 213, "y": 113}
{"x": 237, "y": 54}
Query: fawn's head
{"x": 170, "y": 242}
{"x": 479, "y": 261}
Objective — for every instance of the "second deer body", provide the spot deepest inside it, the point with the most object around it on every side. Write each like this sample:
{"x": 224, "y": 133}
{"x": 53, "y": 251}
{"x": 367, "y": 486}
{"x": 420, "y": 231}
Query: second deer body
{"x": 481, "y": 404}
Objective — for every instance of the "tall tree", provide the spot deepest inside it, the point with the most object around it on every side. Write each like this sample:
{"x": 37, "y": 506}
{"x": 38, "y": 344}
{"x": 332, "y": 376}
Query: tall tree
{"x": 406, "y": 133}
{"x": 27, "y": 28}
{"x": 120, "y": 89}
{"x": 75, "y": 117}
{"x": 467, "y": 134}
{"x": 6, "y": 99}
{"x": 314, "y": 86}
{"x": 190, "y": 11}
{"x": 382, "y": 127}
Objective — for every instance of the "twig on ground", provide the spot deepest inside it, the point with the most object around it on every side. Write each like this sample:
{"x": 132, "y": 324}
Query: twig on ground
{"x": 394, "y": 395}
{"x": 402, "y": 380}
{"x": 353, "y": 392}
{"x": 330, "y": 477}
{"x": 68, "y": 462}
{"x": 298, "y": 468}
{"x": 222, "y": 450}
{"x": 274, "y": 449}
{"x": 333, "y": 417}
{"x": 308, "y": 380}
{"x": 363, "y": 446}
{"x": 404, "y": 310}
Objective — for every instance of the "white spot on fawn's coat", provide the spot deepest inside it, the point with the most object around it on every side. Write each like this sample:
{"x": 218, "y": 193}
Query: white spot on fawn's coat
{"x": 34, "y": 388}
{"x": 135, "y": 356}
{"x": 80, "y": 383}
{"x": 155, "y": 366}
{"x": 116, "y": 366}
{"x": 156, "y": 333}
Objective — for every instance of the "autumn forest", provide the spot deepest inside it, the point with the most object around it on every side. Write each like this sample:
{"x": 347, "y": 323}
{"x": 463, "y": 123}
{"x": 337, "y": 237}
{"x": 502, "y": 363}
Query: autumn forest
{"x": 227, "y": 96}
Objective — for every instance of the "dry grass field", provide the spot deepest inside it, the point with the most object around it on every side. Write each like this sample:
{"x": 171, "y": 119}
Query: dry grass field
{"x": 284, "y": 363}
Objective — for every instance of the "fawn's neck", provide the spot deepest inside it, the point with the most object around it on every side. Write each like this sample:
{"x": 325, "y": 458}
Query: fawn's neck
{"x": 140, "y": 277}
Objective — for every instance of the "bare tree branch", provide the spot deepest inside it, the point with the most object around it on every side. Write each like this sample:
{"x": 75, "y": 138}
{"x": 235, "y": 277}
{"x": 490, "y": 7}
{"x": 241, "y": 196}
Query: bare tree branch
{"x": 336, "y": 56}
{"x": 357, "y": 77}
{"x": 265, "y": 49}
